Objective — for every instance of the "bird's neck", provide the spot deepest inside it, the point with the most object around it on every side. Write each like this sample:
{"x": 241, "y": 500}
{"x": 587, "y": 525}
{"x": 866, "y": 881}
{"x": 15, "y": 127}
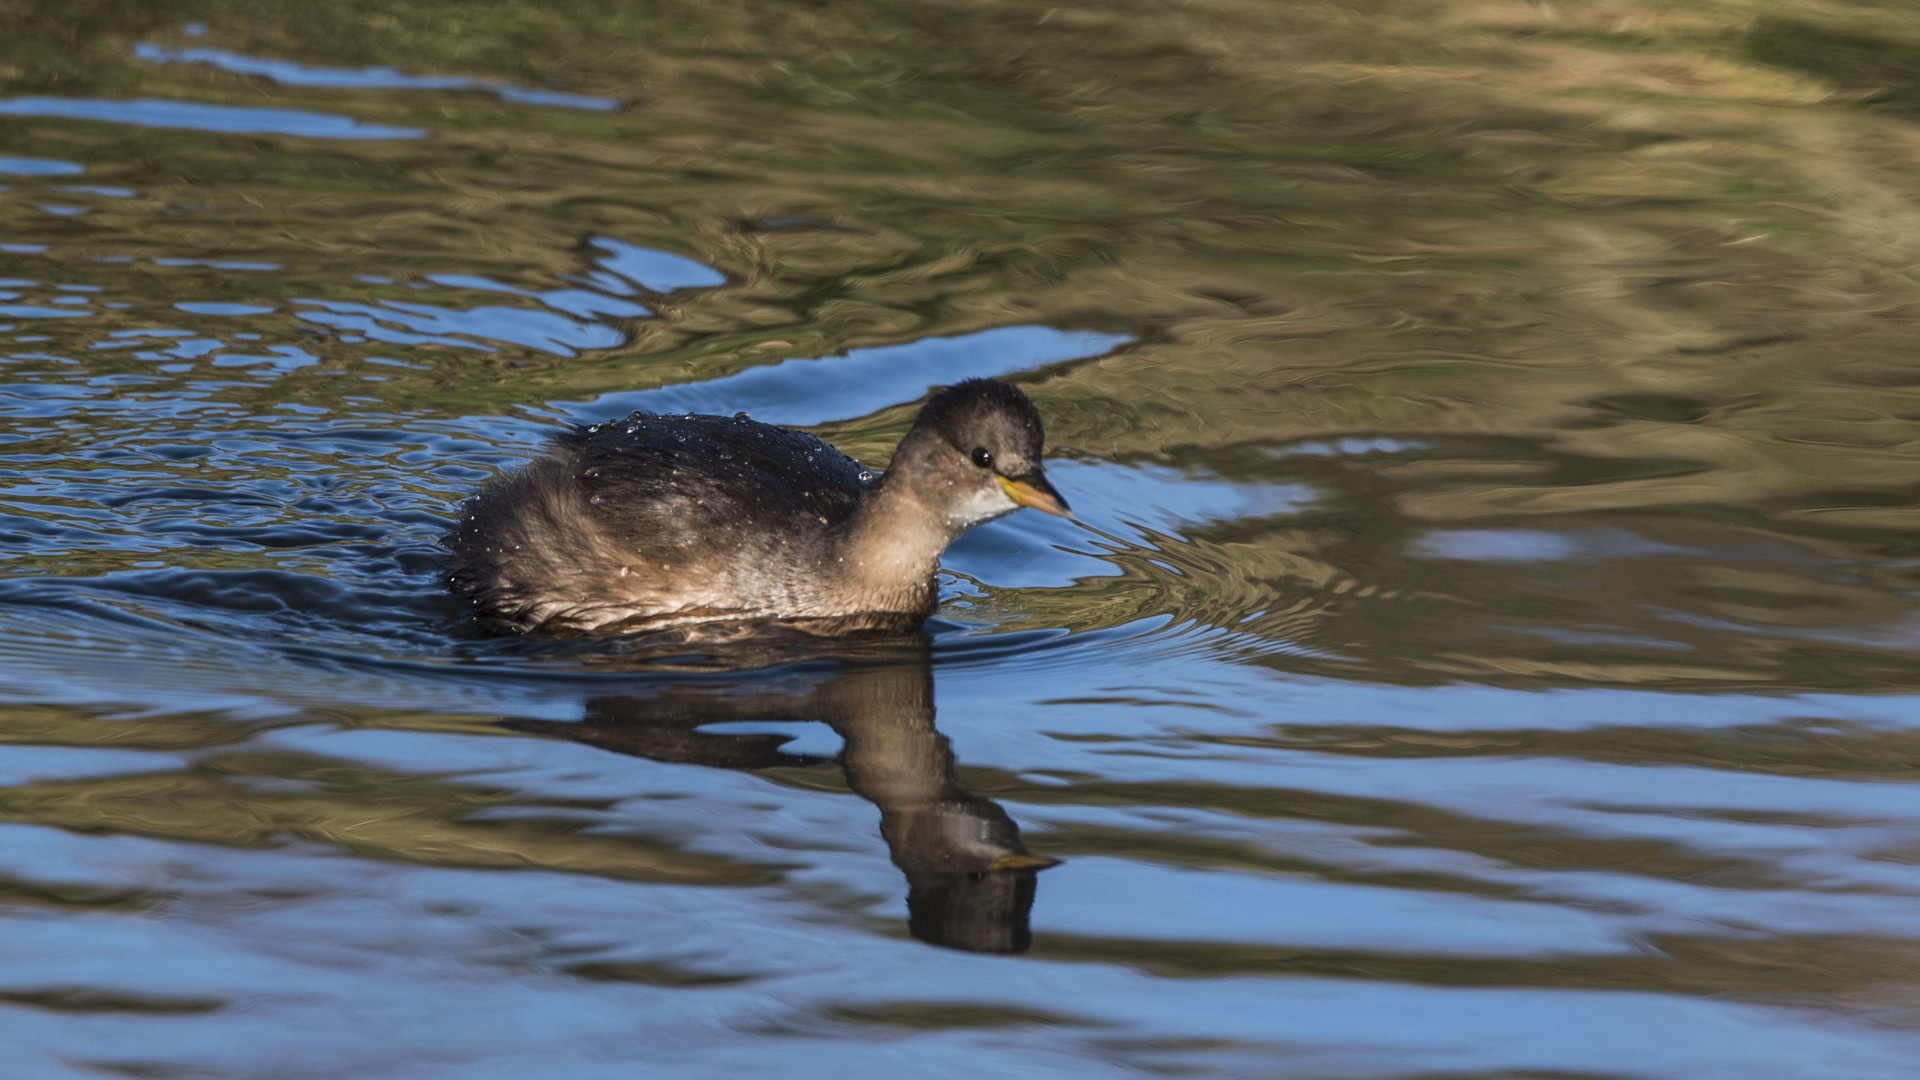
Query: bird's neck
{"x": 891, "y": 547}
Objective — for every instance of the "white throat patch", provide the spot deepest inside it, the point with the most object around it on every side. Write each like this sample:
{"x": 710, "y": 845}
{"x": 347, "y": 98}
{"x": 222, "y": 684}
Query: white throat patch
{"x": 984, "y": 504}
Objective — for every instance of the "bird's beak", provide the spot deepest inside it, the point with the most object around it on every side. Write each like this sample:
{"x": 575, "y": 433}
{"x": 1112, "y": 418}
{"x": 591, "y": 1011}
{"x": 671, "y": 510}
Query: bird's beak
{"x": 1033, "y": 490}
{"x": 1022, "y": 861}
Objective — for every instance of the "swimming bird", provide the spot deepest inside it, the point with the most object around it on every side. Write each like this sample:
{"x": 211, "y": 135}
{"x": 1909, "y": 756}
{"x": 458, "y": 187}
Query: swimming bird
{"x": 657, "y": 520}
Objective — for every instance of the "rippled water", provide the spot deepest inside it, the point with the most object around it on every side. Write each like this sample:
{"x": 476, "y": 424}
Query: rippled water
{"x": 1486, "y": 646}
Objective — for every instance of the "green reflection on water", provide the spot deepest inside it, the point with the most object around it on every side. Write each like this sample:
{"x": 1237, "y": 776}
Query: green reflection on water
{"x": 1436, "y": 220}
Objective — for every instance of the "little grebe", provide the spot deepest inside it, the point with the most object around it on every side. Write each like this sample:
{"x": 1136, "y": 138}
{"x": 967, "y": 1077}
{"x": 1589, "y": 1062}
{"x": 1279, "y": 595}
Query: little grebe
{"x": 666, "y": 520}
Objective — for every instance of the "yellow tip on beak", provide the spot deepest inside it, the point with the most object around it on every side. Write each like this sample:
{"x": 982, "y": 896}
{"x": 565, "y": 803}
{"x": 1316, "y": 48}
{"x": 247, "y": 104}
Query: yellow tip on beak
{"x": 1022, "y": 861}
{"x": 1034, "y": 491}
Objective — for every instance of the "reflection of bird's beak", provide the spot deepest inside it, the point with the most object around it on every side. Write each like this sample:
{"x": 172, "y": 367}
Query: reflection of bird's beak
{"x": 1033, "y": 490}
{"x": 1022, "y": 861}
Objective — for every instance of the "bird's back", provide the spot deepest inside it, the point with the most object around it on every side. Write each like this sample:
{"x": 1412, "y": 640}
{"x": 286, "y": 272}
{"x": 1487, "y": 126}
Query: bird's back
{"x": 652, "y": 518}
{"x": 676, "y": 481}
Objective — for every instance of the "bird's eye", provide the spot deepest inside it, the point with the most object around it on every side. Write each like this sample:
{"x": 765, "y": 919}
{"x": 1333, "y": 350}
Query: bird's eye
{"x": 981, "y": 457}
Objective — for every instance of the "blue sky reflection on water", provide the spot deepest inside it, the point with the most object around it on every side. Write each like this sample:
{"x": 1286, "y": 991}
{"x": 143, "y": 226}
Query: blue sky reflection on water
{"x": 195, "y": 116}
{"x": 288, "y": 73}
{"x": 815, "y": 390}
{"x": 23, "y": 166}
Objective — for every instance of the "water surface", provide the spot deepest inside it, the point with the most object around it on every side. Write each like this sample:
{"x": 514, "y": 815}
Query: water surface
{"x": 1485, "y": 647}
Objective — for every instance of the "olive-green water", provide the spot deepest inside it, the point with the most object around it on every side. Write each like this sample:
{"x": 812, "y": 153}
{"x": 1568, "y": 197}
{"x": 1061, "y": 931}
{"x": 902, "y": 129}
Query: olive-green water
{"x": 1486, "y": 646}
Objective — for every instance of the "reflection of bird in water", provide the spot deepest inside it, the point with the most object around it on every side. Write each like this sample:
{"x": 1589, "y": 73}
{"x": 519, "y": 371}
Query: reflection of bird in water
{"x": 669, "y": 520}
{"x": 970, "y": 880}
